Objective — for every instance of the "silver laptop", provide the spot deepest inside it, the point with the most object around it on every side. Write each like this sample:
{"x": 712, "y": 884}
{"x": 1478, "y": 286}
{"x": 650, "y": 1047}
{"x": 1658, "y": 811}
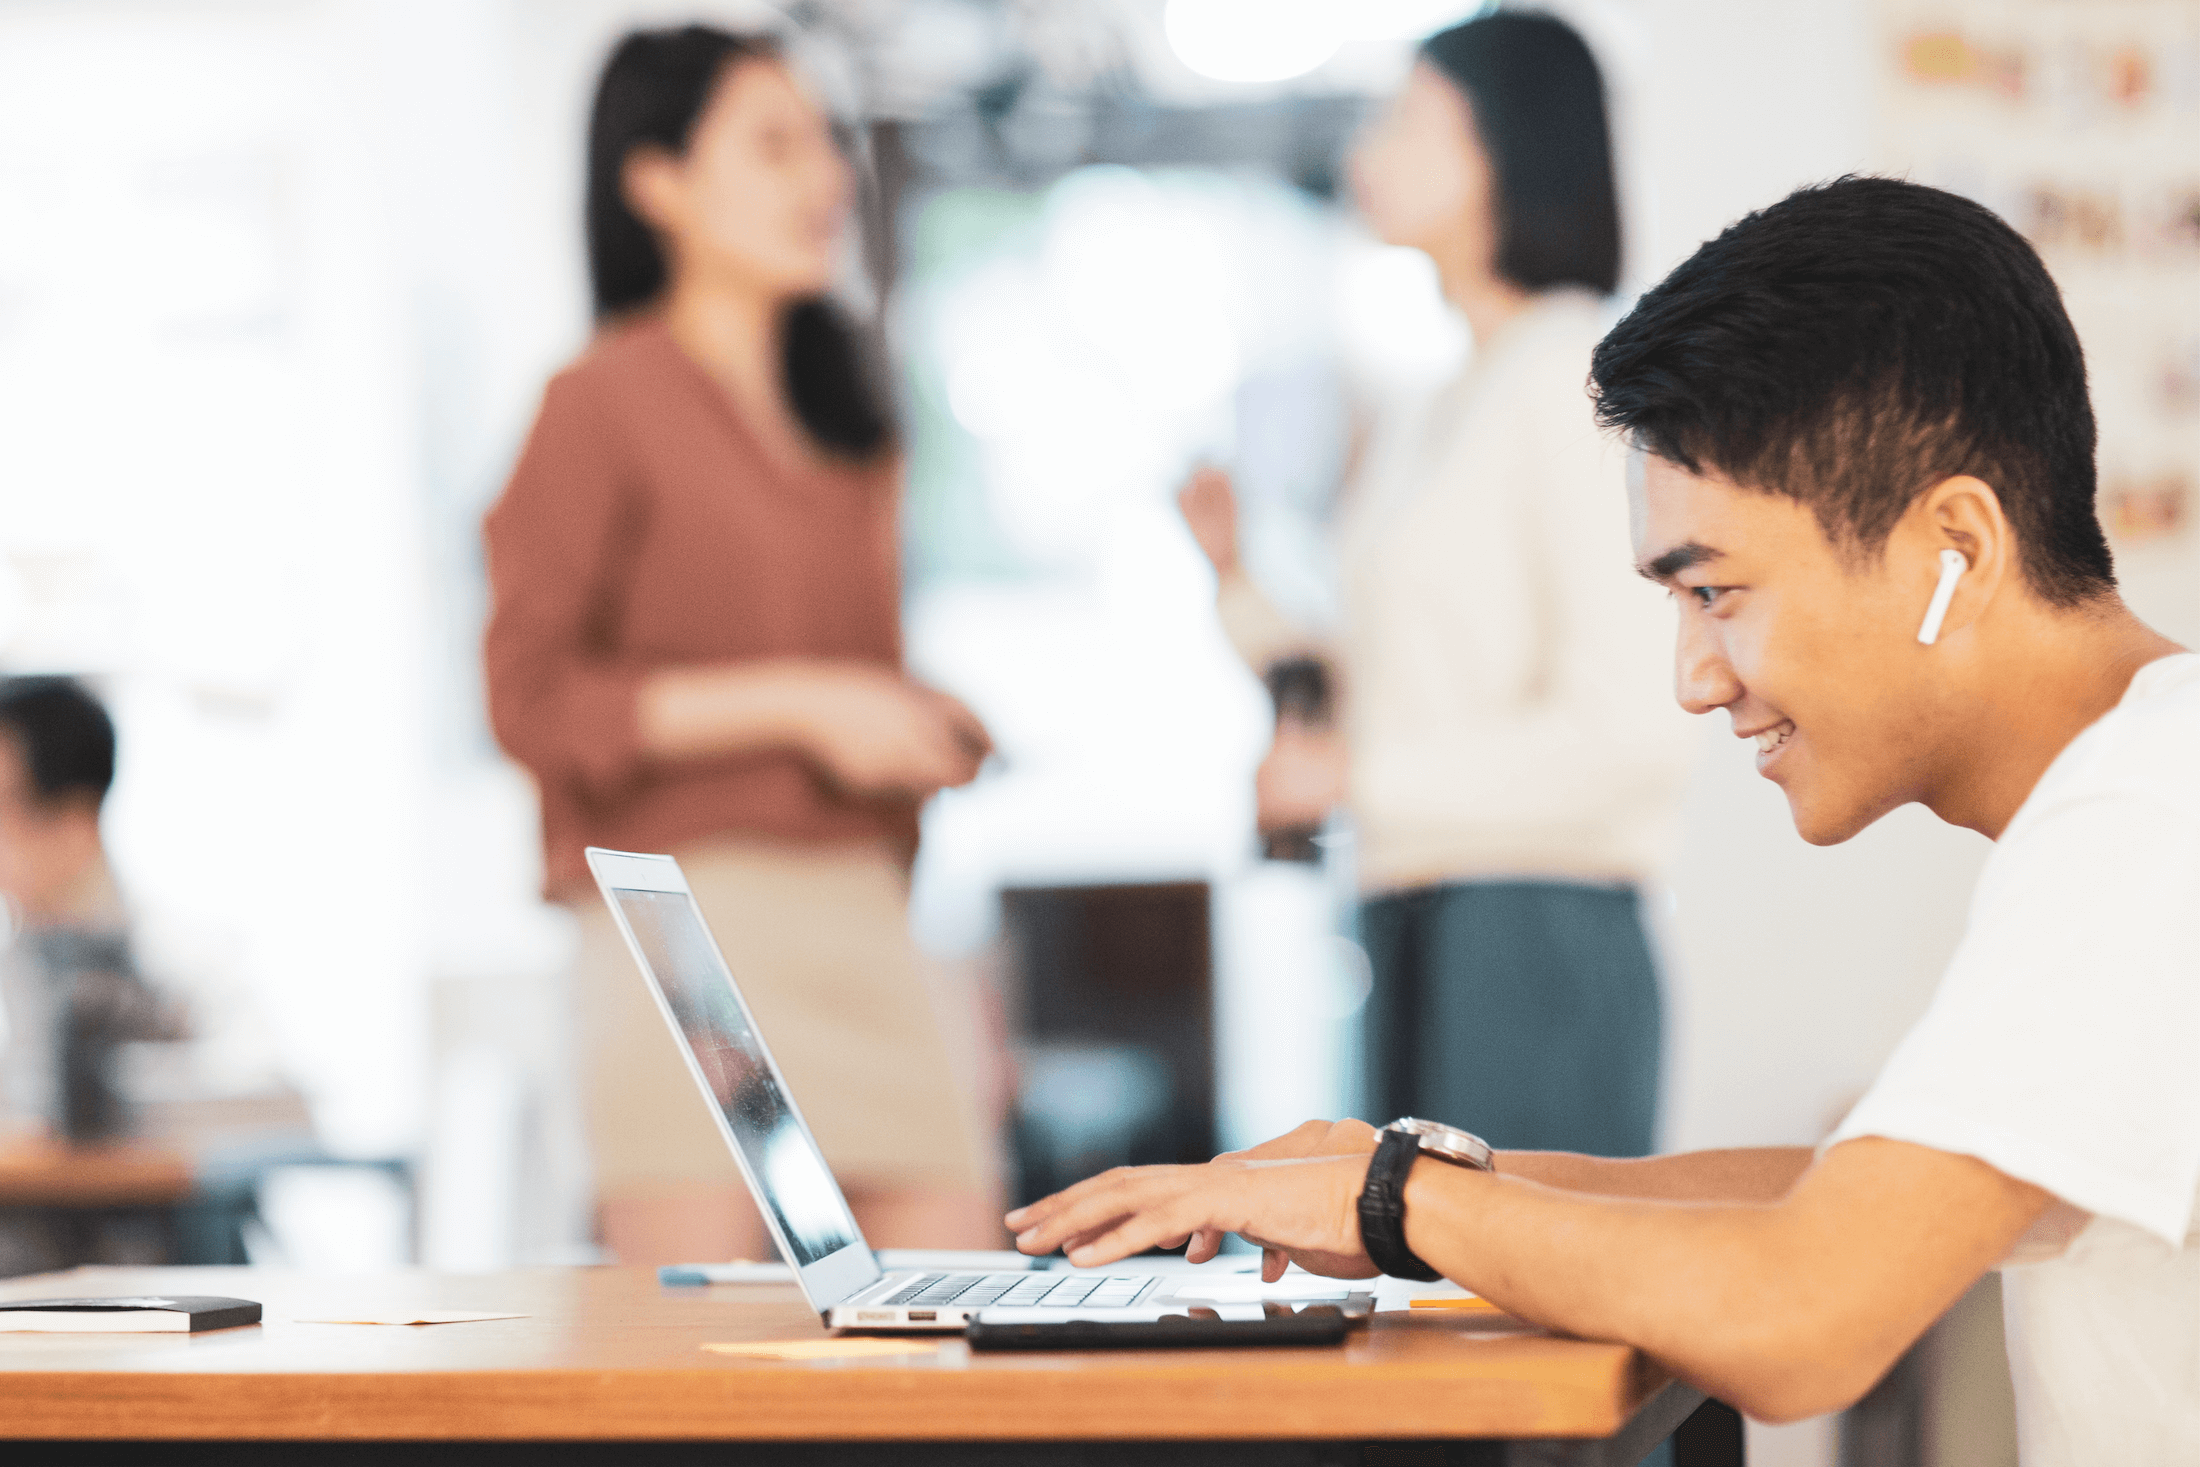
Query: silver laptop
{"x": 801, "y": 1203}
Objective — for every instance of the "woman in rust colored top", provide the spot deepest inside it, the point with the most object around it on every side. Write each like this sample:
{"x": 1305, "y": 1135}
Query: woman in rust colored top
{"x": 696, "y": 647}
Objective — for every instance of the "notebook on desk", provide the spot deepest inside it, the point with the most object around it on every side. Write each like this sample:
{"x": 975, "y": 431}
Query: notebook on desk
{"x": 839, "y": 1274}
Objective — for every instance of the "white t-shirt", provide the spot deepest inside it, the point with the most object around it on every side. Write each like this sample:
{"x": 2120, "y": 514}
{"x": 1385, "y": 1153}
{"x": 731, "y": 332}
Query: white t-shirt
{"x": 2063, "y": 1048}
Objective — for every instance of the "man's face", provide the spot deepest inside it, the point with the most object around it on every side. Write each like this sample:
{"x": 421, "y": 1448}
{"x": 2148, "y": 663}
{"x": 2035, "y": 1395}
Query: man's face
{"x": 46, "y": 848}
{"x": 1813, "y": 656}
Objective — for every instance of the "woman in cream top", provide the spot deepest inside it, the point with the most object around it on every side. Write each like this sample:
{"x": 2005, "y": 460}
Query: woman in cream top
{"x": 1510, "y": 754}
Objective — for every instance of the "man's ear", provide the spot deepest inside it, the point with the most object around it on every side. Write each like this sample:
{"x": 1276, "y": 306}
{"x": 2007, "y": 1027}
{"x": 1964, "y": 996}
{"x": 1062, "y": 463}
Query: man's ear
{"x": 650, "y": 180}
{"x": 1964, "y": 514}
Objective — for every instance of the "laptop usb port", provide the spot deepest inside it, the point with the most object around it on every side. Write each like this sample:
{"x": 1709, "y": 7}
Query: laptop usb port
{"x": 919, "y": 1316}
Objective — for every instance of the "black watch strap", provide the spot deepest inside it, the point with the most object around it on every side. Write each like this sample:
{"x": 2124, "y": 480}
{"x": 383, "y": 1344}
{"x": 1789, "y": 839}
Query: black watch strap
{"x": 1383, "y": 1208}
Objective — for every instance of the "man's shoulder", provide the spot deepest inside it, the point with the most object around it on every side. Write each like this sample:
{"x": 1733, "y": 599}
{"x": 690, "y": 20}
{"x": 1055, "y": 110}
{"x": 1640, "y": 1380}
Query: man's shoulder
{"x": 2145, "y": 745}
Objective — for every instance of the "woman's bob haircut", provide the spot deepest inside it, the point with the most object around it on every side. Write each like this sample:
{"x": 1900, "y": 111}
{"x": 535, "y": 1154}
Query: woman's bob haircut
{"x": 1538, "y": 102}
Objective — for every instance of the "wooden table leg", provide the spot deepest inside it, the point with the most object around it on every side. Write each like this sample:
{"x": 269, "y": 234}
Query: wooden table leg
{"x": 1660, "y": 1416}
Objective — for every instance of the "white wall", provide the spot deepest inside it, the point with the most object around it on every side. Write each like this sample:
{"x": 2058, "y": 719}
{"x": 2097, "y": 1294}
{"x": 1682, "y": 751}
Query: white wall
{"x": 203, "y": 505}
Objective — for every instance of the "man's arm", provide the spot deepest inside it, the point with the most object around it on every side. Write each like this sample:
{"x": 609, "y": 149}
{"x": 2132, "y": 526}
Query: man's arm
{"x": 1785, "y": 1309}
{"x": 1747, "y": 1174}
{"x": 1751, "y": 1174}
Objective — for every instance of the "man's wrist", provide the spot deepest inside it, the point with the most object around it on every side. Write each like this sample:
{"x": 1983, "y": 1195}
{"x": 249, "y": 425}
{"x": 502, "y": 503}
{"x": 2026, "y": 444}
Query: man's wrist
{"x": 1433, "y": 1193}
{"x": 1382, "y": 1208}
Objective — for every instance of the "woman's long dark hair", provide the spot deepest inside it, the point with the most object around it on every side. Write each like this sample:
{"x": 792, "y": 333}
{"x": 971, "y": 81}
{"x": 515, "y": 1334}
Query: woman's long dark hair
{"x": 653, "y": 89}
{"x": 1538, "y": 103}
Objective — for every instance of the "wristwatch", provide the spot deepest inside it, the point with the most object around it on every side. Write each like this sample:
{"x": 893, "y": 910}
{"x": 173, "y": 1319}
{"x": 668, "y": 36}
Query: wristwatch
{"x": 1449, "y": 1143}
{"x": 1382, "y": 1196}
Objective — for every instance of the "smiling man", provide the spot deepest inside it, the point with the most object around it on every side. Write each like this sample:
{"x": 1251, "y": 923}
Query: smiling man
{"x": 1869, "y": 480}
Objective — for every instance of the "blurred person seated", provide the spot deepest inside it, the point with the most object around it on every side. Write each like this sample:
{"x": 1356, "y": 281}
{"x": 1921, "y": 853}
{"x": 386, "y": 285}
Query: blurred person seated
{"x": 68, "y": 981}
{"x": 69, "y": 985}
{"x": 1868, "y": 479}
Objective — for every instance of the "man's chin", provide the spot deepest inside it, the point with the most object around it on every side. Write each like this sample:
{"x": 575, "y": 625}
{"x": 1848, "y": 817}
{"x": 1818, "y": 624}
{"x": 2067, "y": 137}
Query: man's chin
{"x": 1822, "y": 823}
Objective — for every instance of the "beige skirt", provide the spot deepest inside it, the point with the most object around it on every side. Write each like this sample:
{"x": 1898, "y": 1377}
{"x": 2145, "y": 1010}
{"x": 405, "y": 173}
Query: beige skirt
{"x": 818, "y": 939}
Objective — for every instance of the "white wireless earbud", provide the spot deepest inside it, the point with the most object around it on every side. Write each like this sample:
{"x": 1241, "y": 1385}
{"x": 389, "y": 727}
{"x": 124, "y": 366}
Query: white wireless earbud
{"x": 1952, "y": 567}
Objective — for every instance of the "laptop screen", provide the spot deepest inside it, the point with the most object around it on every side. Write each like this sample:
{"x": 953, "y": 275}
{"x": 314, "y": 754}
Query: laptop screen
{"x": 799, "y": 1188}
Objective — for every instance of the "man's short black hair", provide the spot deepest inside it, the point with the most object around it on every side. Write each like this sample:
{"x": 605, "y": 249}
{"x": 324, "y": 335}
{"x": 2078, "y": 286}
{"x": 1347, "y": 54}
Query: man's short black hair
{"x": 66, "y": 739}
{"x": 1855, "y": 344}
{"x": 1538, "y": 103}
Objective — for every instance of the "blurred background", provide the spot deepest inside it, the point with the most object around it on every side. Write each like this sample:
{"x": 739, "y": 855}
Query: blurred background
{"x": 280, "y": 285}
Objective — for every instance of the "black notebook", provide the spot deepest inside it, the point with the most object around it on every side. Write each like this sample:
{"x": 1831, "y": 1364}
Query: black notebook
{"x": 131, "y": 1314}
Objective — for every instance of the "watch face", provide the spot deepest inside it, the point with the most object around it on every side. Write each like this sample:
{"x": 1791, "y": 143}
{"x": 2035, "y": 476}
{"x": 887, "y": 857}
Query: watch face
{"x": 1447, "y": 1142}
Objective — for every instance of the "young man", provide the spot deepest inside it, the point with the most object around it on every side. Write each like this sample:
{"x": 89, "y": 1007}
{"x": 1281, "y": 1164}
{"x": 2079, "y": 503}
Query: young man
{"x": 1869, "y": 481}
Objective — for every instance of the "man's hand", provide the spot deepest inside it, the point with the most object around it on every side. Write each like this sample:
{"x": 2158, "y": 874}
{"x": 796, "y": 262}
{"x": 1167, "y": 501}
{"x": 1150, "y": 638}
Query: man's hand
{"x": 1297, "y": 1197}
{"x": 1347, "y": 1137}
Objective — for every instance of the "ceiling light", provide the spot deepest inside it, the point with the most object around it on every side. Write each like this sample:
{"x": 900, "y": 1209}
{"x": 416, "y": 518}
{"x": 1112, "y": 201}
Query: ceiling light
{"x": 1253, "y": 40}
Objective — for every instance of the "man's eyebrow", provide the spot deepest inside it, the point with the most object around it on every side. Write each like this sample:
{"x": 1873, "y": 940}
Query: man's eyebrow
{"x": 1676, "y": 560}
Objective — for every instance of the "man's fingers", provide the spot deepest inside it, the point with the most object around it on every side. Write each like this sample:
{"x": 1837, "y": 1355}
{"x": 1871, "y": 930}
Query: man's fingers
{"x": 1037, "y": 1213}
{"x": 1134, "y": 1234}
{"x": 1094, "y": 1205}
{"x": 1092, "y": 1235}
{"x": 1071, "y": 1229}
{"x": 1130, "y": 1209}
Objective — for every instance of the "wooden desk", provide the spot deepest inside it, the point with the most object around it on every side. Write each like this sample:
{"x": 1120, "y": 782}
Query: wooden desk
{"x": 607, "y": 1356}
{"x": 124, "y": 1174}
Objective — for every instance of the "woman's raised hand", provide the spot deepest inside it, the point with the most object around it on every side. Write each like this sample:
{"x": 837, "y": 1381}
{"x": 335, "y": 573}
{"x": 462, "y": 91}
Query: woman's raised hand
{"x": 1209, "y": 505}
{"x": 1302, "y": 778}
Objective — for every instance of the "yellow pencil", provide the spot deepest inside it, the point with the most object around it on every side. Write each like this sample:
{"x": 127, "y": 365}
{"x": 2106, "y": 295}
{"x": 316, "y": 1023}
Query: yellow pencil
{"x": 1456, "y": 1301}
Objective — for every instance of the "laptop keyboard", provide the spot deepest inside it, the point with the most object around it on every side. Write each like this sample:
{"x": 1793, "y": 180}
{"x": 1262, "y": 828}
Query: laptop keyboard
{"x": 1013, "y": 1290}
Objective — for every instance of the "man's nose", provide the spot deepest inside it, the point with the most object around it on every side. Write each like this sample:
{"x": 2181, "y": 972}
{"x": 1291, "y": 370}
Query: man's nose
{"x": 1702, "y": 678}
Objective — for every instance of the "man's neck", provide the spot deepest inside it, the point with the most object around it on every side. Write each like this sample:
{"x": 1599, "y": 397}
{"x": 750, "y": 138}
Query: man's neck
{"x": 2061, "y": 671}
{"x": 80, "y": 895}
